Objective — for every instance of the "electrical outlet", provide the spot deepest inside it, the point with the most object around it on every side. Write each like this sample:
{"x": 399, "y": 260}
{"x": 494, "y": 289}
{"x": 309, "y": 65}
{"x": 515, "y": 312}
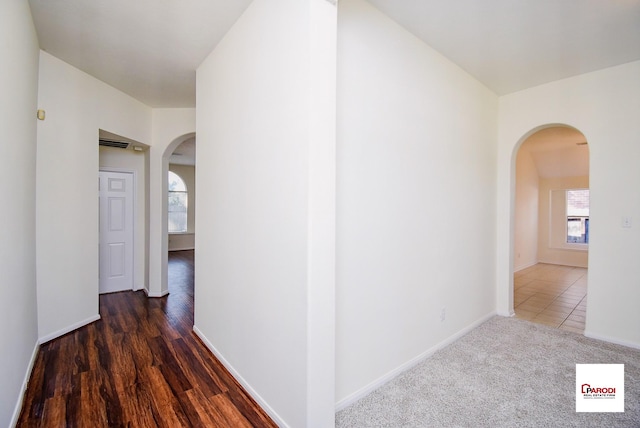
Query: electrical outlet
{"x": 443, "y": 314}
{"x": 626, "y": 222}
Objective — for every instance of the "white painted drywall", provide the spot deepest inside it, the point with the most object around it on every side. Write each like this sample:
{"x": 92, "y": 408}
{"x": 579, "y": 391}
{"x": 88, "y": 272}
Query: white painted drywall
{"x": 170, "y": 127}
{"x": 415, "y": 199}
{"x": 552, "y": 236}
{"x": 605, "y": 107}
{"x": 321, "y": 220}
{"x": 130, "y": 160}
{"x": 264, "y": 244}
{"x": 77, "y": 106}
{"x": 18, "y": 103}
{"x": 526, "y": 211}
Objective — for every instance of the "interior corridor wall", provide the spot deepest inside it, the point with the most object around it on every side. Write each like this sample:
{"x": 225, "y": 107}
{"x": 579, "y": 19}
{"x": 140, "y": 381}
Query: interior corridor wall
{"x": 415, "y": 200}
{"x": 18, "y": 103}
{"x": 605, "y": 107}
{"x": 526, "y": 211}
{"x": 77, "y": 105}
{"x": 265, "y": 240}
{"x": 170, "y": 127}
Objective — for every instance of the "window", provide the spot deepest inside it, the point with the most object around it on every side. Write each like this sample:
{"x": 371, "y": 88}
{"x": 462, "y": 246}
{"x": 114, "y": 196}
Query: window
{"x": 578, "y": 216}
{"x": 177, "y": 204}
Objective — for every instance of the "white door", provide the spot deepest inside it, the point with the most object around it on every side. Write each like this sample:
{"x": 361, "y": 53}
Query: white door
{"x": 116, "y": 231}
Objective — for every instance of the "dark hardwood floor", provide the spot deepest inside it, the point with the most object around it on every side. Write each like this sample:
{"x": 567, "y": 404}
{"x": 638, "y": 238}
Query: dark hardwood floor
{"x": 138, "y": 366}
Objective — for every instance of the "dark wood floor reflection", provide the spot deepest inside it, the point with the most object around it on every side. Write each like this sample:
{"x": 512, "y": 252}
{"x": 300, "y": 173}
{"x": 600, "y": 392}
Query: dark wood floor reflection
{"x": 139, "y": 366}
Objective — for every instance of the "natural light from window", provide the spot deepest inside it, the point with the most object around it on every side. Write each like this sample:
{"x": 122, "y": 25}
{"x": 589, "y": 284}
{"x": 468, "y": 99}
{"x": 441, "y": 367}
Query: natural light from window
{"x": 578, "y": 216}
{"x": 177, "y": 204}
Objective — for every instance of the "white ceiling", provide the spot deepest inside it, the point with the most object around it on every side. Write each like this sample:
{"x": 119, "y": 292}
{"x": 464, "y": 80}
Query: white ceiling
{"x": 558, "y": 152}
{"x": 510, "y": 45}
{"x": 150, "y": 49}
{"x": 185, "y": 153}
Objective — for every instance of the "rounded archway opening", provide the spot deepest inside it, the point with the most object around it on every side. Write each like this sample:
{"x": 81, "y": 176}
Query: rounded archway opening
{"x": 550, "y": 227}
{"x": 180, "y": 152}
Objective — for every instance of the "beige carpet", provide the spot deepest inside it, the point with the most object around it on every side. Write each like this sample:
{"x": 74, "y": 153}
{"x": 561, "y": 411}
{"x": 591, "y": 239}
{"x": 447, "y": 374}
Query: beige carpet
{"x": 506, "y": 373}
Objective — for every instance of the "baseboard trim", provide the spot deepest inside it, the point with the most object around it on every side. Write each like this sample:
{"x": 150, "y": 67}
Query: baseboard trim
{"x": 519, "y": 268}
{"x": 592, "y": 335}
{"x": 506, "y": 314}
{"x": 25, "y": 382}
{"x": 155, "y": 295}
{"x": 553, "y": 262}
{"x": 272, "y": 413}
{"x": 68, "y": 329}
{"x": 366, "y": 390}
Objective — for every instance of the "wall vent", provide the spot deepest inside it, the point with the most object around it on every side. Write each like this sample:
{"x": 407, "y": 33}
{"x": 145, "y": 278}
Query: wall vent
{"x": 113, "y": 143}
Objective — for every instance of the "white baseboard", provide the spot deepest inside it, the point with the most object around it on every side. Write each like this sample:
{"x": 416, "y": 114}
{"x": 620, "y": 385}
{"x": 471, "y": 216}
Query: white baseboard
{"x": 557, "y": 263}
{"x": 68, "y": 329}
{"x": 272, "y": 413}
{"x": 506, "y": 314}
{"x": 615, "y": 340}
{"x": 528, "y": 265}
{"x": 182, "y": 249}
{"x": 164, "y": 293}
{"x": 25, "y": 382}
{"x": 366, "y": 390}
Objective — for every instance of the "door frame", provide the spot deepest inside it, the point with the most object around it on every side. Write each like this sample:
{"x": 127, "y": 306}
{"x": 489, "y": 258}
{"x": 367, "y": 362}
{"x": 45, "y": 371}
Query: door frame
{"x": 134, "y": 228}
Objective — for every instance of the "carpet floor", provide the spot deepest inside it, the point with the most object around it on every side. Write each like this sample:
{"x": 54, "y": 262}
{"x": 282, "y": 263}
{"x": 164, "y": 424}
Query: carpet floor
{"x": 505, "y": 373}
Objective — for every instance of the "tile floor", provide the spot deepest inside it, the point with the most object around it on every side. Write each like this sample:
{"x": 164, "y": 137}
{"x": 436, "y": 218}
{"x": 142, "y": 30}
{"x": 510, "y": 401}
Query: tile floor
{"x": 553, "y": 295}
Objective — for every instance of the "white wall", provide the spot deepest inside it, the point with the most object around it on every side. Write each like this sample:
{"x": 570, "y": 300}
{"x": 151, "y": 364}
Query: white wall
{"x": 605, "y": 107}
{"x": 77, "y": 106}
{"x": 416, "y": 199}
{"x": 170, "y": 127}
{"x": 18, "y": 104}
{"x": 264, "y": 247}
{"x": 552, "y": 237}
{"x": 130, "y": 160}
{"x": 526, "y": 211}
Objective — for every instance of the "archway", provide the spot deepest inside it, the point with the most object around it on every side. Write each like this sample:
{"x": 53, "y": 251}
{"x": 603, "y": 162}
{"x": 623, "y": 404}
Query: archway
{"x": 158, "y": 239}
{"x": 166, "y": 156}
{"x": 550, "y": 227}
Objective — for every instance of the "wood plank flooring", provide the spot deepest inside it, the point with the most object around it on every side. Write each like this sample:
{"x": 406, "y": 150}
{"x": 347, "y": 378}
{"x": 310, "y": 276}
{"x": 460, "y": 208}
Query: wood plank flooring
{"x": 139, "y": 366}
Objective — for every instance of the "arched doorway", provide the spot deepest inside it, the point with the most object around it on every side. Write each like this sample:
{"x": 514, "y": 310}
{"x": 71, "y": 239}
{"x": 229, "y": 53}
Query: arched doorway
{"x": 167, "y": 156}
{"x": 551, "y": 227}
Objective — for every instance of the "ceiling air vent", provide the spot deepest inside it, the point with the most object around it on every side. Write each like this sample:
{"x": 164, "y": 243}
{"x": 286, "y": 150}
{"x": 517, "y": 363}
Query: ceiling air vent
{"x": 113, "y": 143}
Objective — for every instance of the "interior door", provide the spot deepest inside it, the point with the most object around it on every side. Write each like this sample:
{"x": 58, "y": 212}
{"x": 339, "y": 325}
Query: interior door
{"x": 116, "y": 231}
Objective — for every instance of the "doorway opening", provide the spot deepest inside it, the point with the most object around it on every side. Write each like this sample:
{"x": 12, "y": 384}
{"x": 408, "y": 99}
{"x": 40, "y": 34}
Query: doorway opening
{"x": 551, "y": 228}
{"x": 180, "y": 226}
{"x": 123, "y": 213}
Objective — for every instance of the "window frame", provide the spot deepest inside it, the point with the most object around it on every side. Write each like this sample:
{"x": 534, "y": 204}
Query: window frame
{"x": 584, "y": 219}
{"x": 185, "y": 193}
